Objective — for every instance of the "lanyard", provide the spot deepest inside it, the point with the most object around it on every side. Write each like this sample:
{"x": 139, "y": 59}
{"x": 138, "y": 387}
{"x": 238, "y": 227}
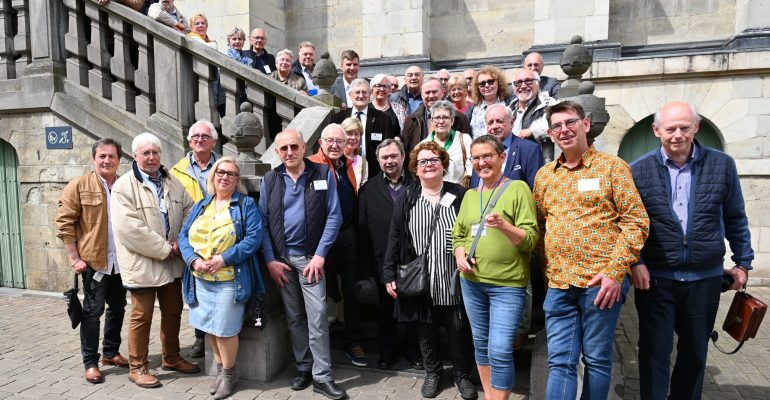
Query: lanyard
{"x": 481, "y": 197}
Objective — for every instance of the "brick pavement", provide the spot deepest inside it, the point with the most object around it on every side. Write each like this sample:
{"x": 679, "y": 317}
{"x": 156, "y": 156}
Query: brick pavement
{"x": 40, "y": 359}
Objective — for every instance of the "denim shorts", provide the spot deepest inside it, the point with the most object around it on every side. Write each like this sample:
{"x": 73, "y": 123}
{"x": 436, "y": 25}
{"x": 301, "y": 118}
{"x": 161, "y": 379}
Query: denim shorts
{"x": 494, "y": 313}
{"x": 216, "y": 311}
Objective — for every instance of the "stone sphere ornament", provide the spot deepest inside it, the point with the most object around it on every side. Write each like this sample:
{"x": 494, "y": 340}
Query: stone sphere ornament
{"x": 246, "y": 132}
{"x": 576, "y": 59}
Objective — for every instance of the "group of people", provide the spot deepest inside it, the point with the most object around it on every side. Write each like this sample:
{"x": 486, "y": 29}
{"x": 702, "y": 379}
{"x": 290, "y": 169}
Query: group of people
{"x": 460, "y": 169}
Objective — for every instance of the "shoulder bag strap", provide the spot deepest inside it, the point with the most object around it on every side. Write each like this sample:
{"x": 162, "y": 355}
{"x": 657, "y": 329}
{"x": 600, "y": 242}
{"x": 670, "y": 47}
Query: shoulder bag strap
{"x": 487, "y": 211}
{"x": 433, "y": 224}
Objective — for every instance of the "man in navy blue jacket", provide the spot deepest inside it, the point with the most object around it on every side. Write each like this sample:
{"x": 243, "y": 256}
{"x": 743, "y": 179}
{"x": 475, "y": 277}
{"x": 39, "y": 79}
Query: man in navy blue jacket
{"x": 693, "y": 197}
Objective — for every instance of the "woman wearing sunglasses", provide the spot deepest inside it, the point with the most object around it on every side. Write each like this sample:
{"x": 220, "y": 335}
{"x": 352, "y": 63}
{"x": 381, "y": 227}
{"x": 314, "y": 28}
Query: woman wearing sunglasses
{"x": 488, "y": 88}
{"x": 218, "y": 242}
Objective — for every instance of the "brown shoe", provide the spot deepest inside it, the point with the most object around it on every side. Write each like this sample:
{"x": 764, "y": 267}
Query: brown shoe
{"x": 118, "y": 361}
{"x": 93, "y": 375}
{"x": 183, "y": 366}
{"x": 143, "y": 379}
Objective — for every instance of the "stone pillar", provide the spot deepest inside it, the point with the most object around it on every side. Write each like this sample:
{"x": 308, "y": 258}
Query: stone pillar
{"x": 396, "y": 30}
{"x": 556, "y": 21}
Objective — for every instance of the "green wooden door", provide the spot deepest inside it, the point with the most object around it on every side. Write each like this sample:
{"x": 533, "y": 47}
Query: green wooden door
{"x": 11, "y": 239}
{"x": 640, "y": 139}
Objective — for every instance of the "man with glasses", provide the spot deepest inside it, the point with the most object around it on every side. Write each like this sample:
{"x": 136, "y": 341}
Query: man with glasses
{"x": 193, "y": 172}
{"x": 377, "y": 125}
{"x": 534, "y": 62}
{"x": 593, "y": 225}
{"x": 530, "y": 107}
{"x": 443, "y": 76}
{"x": 262, "y": 60}
{"x": 301, "y": 212}
{"x": 149, "y": 207}
{"x": 342, "y": 257}
{"x": 393, "y": 84}
{"x": 350, "y": 65}
{"x": 409, "y": 95}
{"x": 417, "y": 124}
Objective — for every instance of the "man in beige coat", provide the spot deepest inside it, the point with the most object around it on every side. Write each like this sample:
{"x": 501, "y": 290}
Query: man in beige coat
{"x": 149, "y": 207}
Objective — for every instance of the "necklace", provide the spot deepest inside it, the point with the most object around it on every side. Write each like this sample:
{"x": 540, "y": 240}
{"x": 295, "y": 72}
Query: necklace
{"x": 433, "y": 193}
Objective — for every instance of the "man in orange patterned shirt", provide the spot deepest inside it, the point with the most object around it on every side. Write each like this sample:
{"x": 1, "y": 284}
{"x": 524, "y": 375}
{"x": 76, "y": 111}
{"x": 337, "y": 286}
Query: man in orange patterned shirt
{"x": 594, "y": 225}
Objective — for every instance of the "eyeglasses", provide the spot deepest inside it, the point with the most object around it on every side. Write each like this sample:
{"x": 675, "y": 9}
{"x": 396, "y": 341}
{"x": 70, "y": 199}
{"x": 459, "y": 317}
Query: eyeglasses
{"x": 558, "y": 127}
{"x": 426, "y": 161}
{"x": 441, "y": 118}
{"x": 330, "y": 141}
{"x": 484, "y": 157}
{"x": 443, "y": 80}
{"x": 230, "y": 174}
{"x": 201, "y": 138}
{"x": 528, "y": 82}
{"x": 394, "y": 85}
{"x": 360, "y": 92}
{"x": 285, "y": 148}
{"x": 488, "y": 82}
{"x": 379, "y": 86}
{"x": 414, "y": 75}
{"x": 258, "y": 37}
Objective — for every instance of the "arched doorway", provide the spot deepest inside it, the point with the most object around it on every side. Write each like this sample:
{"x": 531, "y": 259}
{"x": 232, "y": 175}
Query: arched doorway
{"x": 640, "y": 139}
{"x": 11, "y": 239}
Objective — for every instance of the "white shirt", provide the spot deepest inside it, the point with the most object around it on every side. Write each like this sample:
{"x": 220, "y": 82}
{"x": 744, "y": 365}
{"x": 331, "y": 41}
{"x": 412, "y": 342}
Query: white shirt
{"x": 112, "y": 259}
{"x": 348, "y": 100}
{"x": 362, "y": 117}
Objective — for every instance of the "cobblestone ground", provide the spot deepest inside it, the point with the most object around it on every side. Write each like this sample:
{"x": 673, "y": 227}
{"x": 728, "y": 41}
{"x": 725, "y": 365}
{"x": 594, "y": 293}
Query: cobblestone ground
{"x": 744, "y": 375}
{"x": 40, "y": 359}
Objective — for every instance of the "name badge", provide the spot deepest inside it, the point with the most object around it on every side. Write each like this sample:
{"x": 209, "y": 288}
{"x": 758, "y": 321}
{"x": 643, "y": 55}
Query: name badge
{"x": 447, "y": 199}
{"x": 588, "y": 185}
{"x": 377, "y": 136}
{"x": 475, "y": 228}
{"x": 267, "y": 69}
{"x": 320, "y": 185}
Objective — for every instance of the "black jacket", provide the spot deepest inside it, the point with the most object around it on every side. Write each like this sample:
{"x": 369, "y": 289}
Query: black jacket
{"x": 375, "y": 210}
{"x": 376, "y": 122}
{"x": 401, "y": 251}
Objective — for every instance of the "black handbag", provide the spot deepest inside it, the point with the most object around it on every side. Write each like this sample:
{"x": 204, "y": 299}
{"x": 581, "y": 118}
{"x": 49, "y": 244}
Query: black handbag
{"x": 413, "y": 278}
{"x": 74, "y": 308}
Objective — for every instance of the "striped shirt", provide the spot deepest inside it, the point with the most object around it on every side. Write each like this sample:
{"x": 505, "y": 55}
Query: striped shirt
{"x": 441, "y": 261}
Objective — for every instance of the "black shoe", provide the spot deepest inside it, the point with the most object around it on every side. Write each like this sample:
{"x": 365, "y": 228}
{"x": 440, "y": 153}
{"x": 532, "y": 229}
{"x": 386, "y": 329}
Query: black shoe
{"x": 385, "y": 362}
{"x": 302, "y": 380}
{"x": 357, "y": 355}
{"x": 330, "y": 390}
{"x": 198, "y": 348}
{"x": 432, "y": 385}
{"x": 466, "y": 388}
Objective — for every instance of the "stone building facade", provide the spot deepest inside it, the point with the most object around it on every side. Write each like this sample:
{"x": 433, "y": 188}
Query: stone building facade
{"x": 715, "y": 54}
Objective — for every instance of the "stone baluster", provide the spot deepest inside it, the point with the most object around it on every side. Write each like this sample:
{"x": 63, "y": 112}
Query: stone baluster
{"x": 99, "y": 80}
{"x": 256, "y": 96}
{"x": 75, "y": 43}
{"x": 21, "y": 39}
{"x": 285, "y": 109}
{"x": 231, "y": 87}
{"x": 144, "y": 76}
{"x": 205, "y": 107}
{"x": 7, "y": 69}
{"x": 121, "y": 67}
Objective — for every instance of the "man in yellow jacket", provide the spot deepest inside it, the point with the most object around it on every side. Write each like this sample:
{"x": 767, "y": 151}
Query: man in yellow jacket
{"x": 193, "y": 172}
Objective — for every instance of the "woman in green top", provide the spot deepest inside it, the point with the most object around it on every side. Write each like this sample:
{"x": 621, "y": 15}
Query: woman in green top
{"x": 495, "y": 277}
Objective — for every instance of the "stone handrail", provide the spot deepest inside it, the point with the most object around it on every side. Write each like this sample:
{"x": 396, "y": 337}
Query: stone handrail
{"x": 156, "y": 73}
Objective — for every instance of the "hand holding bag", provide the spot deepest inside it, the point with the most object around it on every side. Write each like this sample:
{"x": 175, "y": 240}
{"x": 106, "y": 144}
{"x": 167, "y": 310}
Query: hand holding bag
{"x": 74, "y": 308}
{"x": 413, "y": 278}
{"x": 742, "y": 320}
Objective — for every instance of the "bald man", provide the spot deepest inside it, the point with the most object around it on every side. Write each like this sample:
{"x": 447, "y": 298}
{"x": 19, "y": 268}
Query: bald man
{"x": 534, "y": 62}
{"x": 301, "y": 213}
{"x": 263, "y": 61}
{"x": 694, "y": 200}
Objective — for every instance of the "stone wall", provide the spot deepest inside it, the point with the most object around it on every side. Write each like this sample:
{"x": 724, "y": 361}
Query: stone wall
{"x": 42, "y": 176}
{"x": 645, "y": 22}
{"x": 332, "y": 25}
{"x": 556, "y": 21}
{"x": 467, "y": 29}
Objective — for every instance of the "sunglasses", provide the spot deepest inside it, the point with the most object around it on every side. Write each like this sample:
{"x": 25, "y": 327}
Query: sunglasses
{"x": 488, "y": 82}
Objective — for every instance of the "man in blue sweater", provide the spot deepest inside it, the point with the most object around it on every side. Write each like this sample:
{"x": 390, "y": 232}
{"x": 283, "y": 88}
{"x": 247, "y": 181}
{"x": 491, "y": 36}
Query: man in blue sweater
{"x": 301, "y": 211}
{"x": 693, "y": 198}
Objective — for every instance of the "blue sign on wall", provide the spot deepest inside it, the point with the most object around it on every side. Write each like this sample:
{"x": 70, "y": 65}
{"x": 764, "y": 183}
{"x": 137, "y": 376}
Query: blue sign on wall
{"x": 58, "y": 137}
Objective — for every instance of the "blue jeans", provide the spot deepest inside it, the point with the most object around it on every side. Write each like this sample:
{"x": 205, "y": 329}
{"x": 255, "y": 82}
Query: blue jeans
{"x": 574, "y": 325}
{"x": 494, "y": 313}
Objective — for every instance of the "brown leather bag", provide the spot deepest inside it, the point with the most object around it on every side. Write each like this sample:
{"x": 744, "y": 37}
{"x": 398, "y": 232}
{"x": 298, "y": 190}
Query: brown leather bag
{"x": 743, "y": 319}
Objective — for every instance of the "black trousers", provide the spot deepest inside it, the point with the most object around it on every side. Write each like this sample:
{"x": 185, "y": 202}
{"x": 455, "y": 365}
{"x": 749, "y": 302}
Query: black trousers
{"x": 387, "y": 331}
{"x": 108, "y": 291}
{"x": 689, "y": 309}
{"x": 455, "y": 322}
{"x": 342, "y": 260}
